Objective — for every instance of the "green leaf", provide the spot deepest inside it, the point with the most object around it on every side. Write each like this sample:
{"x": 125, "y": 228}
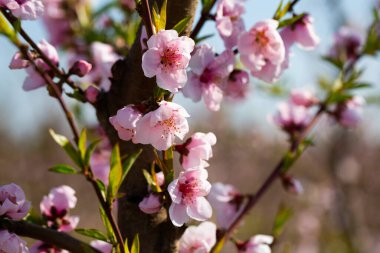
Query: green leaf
{"x": 92, "y": 233}
{"x": 168, "y": 161}
{"x": 7, "y": 31}
{"x": 107, "y": 225}
{"x": 205, "y": 37}
{"x": 115, "y": 176}
{"x": 63, "y": 169}
{"x": 68, "y": 147}
{"x": 77, "y": 95}
{"x": 334, "y": 61}
{"x": 148, "y": 177}
{"x": 127, "y": 165}
{"x": 126, "y": 248}
{"x": 290, "y": 21}
{"x": 102, "y": 187}
{"x": 82, "y": 143}
{"x": 282, "y": 217}
{"x": 136, "y": 244}
{"x": 278, "y": 10}
{"x": 163, "y": 14}
{"x": 181, "y": 25}
{"x": 90, "y": 150}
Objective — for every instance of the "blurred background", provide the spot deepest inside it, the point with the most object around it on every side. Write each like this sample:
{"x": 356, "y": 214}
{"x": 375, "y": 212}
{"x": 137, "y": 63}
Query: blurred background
{"x": 338, "y": 210}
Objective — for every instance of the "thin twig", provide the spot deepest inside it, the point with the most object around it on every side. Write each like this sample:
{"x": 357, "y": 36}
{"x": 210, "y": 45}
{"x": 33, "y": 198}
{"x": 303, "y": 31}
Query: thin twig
{"x": 147, "y": 18}
{"x": 272, "y": 177}
{"x": 50, "y": 236}
{"x": 61, "y": 74}
{"x": 202, "y": 20}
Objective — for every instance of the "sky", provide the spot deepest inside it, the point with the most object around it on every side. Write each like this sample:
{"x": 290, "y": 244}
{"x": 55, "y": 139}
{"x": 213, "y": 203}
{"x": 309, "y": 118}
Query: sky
{"x": 21, "y": 112}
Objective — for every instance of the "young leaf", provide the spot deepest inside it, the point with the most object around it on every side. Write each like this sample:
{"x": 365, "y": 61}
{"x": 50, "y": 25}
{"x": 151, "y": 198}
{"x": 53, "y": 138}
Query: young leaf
{"x": 282, "y": 217}
{"x": 92, "y": 233}
{"x": 89, "y": 152}
{"x": 7, "y": 31}
{"x": 102, "y": 187}
{"x": 148, "y": 177}
{"x": 126, "y": 248}
{"x": 68, "y": 147}
{"x": 136, "y": 244}
{"x": 181, "y": 25}
{"x": 82, "y": 143}
{"x": 218, "y": 248}
{"x": 115, "y": 176}
{"x": 168, "y": 161}
{"x": 107, "y": 225}
{"x": 163, "y": 14}
{"x": 197, "y": 40}
{"x": 63, "y": 169}
{"x": 127, "y": 165}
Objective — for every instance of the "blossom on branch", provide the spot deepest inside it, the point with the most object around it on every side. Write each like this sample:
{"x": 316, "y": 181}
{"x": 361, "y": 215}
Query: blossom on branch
{"x": 102, "y": 246}
{"x": 11, "y": 243}
{"x": 198, "y": 239}
{"x": 196, "y": 150}
{"x": 229, "y": 22}
{"x": 24, "y": 9}
{"x": 55, "y": 207}
{"x": 257, "y": 244}
{"x": 125, "y": 122}
{"x": 226, "y": 201}
{"x": 237, "y": 85}
{"x": 292, "y": 118}
{"x": 167, "y": 58}
{"x": 349, "y": 113}
{"x": 262, "y": 50}
{"x": 13, "y": 204}
{"x": 208, "y": 76}
{"x": 188, "y": 197}
{"x": 160, "y": 127}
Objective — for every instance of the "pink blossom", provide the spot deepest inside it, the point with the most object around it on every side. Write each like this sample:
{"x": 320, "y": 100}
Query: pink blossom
{"x": 12, "y": 202}
{"x": 125, "y": 122}
{"x": 11, "y": 243}
{"x": 80, "y": 68}
{"x": 347, "y": 45}
{"x": 61, "y": 199}
{"x": 160, "y": 127}
{"x": 151, "y": 204}
{"x": 303, "y": 98}
{"x": 188, "y": 195}
{"x": 102, "y": 246}
{"x": 227, "y": 201}
{"x": 196, "y": 150}
{"x": 167, "y": 58}
{"x": 262, "y": 50}
{"x": 104, "y": 57}
{"x": 100, "y": 165}
{"x": 34, "y": 79}
{"x": 237, "y": 86}
{"x": 91, "y": 94}
{"x": 350, "y": 113}
{"x": 302, "y": 32}
{"x": 56, "y": 22}
{"x": 41, "y": 247}
{"x": 198, "y": 239}
{"x": 257, "y": 244}
{"x": 18, "y": 62}
{"x": 24, "y": 9}
{"x": 209, "y": 74}
{"x": 292, "y": 118}
{"x": 229, "y": 22}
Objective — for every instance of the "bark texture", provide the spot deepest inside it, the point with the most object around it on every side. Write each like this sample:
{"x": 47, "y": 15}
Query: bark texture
{"x": 129, "y": 85}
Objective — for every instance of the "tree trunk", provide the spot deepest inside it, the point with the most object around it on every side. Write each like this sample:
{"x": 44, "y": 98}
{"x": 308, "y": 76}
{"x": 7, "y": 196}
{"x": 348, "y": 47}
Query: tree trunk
{"x": 129, "y": 86}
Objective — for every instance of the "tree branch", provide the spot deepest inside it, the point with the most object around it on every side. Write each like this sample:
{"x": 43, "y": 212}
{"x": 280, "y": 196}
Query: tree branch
{"x": 59, "y": 239}
{"x": 202, "y": 20}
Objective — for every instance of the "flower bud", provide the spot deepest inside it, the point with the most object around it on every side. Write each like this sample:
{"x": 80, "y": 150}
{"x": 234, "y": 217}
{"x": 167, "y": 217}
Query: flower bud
{"x": 151, "y": 204}
{"x": 80, "y": 68}
{"x": 12, "y": 202}
{"x": 292, "y": 185}
{"x": 11, "y": 243}
{"x": 91, "y": 94}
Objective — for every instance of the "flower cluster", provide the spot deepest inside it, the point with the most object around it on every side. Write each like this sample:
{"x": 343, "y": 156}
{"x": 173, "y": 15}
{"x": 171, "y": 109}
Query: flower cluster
{"x": 158, "y": 128}
{"x": 14, "y": 206}
{"x": 55, "y": 209}
{"x": 293, "y": 116}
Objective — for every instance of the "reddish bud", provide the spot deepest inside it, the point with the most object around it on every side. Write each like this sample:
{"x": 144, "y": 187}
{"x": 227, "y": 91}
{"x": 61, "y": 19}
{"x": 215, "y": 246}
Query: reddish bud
{"x": 81, "y": 68}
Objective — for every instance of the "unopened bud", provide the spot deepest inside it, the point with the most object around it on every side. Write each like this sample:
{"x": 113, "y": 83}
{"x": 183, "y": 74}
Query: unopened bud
{"x": 80, "y": 68}
{"x": 91, "y": 94}
{"x": 292, "y": 185}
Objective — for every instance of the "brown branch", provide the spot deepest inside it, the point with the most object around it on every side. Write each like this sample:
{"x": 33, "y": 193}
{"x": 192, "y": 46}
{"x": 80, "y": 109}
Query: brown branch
{"x": 205, "y": 15}
{"x": 272, "y": 177}
{"x": 147, "y": 18}
{"x": 61, "y": 74}
{"x": 59, "y": 239}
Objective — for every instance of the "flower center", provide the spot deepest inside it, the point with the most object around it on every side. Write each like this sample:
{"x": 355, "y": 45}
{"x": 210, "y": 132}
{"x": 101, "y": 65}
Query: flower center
{"x": 188, "y": 188}
{"x": 261, "y": 38}
{"x": 171, "y": 58}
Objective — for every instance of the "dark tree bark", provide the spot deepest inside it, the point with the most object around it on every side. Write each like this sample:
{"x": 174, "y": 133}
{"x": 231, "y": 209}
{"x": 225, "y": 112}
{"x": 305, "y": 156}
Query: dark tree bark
{"x": 129, "y": 85}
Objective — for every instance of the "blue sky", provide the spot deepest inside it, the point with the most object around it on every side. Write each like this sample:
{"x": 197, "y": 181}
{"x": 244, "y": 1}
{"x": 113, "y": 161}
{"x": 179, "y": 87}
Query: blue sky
{"x": 22, "y": 111}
